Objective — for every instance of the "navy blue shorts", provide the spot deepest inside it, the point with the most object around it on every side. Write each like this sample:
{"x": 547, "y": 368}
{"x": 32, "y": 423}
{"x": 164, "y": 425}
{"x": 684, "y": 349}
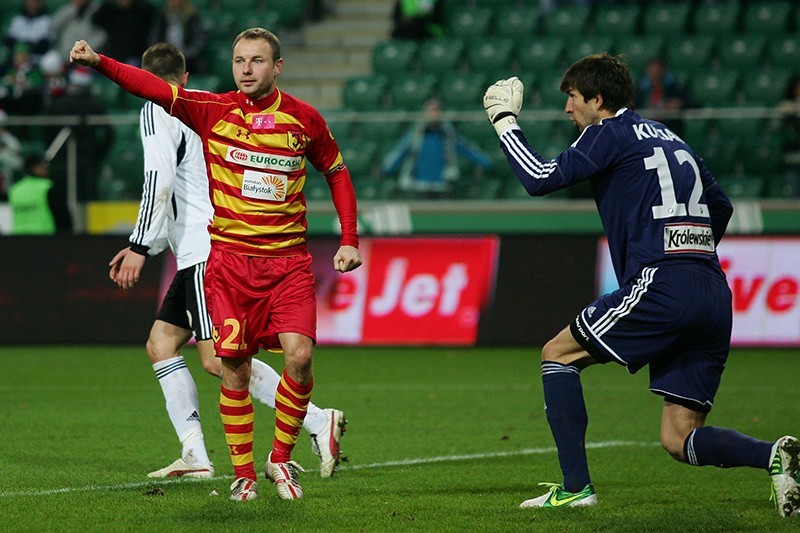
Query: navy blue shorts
{"x": 675, "y": 317}
{"x": 184, "y": 304}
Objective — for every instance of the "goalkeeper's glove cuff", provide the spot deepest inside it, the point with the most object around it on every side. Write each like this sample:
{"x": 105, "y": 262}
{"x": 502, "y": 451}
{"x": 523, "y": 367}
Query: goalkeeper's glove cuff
{"x": 504, "y": 121}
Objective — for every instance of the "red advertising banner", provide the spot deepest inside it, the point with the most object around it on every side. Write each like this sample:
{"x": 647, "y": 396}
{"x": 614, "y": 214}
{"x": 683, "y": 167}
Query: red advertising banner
{"x": 764, "y": 276}
{"x": 425, "y": 290}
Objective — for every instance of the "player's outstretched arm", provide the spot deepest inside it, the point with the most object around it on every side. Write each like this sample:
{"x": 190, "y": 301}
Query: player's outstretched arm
{"x": 347, "y": 258}
{"x": 82, "y": 54}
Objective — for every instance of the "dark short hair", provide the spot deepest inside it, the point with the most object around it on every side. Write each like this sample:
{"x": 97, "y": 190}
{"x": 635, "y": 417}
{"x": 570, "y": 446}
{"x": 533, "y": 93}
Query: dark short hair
{"x": 34, "y": 159}
{"x": 165, "y": 61}
{"x": 254, "y": 34}
{"x": 601, "y": 74}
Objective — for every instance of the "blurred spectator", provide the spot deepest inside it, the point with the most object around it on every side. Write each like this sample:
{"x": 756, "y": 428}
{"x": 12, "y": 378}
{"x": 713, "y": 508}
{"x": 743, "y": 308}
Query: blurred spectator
{"x": 418, "y": 19}
{"x": 181, "y": 25}
{"x": 31, "y": 26}
{"x": 11, "y": 160}
{"x": 789, "y": 109}
{"x": 55, "y": 80}
{"x": 427, "y": 155}
{"x": 72, "y": 22}
{"x": 93, "y": 141}
{"x": 21, "y": 86}
{"x": 661, "y": 94}
{"x": 38, "y": 206}
{"x": 127, "y": 24}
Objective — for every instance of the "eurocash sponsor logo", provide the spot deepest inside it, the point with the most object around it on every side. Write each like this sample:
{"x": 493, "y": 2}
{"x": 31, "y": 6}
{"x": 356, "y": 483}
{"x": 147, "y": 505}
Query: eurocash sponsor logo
{"x": 688, "y": 238}
{"x": 262, "y": 160}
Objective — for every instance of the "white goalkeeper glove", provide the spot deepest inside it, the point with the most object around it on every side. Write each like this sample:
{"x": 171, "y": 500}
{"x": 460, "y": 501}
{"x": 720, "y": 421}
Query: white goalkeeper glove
{"x": 502, "y": 102}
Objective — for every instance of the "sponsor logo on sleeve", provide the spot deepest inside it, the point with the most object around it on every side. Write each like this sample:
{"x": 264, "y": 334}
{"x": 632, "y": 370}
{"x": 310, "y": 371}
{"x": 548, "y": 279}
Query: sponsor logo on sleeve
{"x": 688, "y": 238}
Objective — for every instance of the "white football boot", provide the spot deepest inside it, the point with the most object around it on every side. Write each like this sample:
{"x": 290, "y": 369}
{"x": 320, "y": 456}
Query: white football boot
{"x": 785, "y": 472}
{"x": 325, "y": 444}
{"x": 285, "y": 477}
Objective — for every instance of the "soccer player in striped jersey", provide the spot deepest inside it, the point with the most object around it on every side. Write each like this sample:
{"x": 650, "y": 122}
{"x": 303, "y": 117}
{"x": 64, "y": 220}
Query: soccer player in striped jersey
{"x": 175, "y": 211}
{"x": 664, "y": 215}
{"x": 259, "y": 285}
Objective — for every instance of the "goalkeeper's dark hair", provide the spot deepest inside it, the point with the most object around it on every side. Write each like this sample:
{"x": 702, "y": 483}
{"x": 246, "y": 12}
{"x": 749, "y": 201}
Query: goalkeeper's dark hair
{"x": 254, "y": 34}
{"x": 601, "y": 74}
{"x": 165, "y": 61}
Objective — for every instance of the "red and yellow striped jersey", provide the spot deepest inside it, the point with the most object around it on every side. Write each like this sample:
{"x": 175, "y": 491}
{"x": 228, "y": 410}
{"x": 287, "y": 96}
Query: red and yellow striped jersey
{"x": 256, "y": 154}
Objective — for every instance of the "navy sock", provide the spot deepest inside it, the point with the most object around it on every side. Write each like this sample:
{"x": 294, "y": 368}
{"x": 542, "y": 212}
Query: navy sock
{"x": 726, "y": 448}
{"x": 566, "y": 414}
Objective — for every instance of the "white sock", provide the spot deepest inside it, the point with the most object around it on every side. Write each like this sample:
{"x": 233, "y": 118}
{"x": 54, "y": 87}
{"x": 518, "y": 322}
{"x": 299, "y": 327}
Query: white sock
{"x": 264, "y": 382}
{"x": 183, "y": 407}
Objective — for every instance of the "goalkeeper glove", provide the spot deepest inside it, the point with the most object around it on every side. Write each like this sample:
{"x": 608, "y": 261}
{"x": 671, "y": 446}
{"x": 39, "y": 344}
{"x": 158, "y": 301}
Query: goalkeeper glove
{"x": 502, "y": 102}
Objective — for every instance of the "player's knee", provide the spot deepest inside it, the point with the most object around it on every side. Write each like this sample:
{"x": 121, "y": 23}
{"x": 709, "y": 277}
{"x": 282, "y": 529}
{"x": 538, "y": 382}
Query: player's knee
{"x": 673, "y": 445}
{"x": 158, "y": 350}
{"x": 551, "y": 350}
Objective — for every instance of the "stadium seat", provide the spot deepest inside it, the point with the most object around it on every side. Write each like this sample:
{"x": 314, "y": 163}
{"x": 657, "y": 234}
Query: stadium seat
{"x": 360, "y": 157}
{"x": 410, "y": 92}
{"x": 386, "y": 133}
{"x": 342, "y": 130}
{"x": 441, "y": 55}
{"x": 549, "y": 91}
{"x": 480, "y": 132}
{"x": 204, "y": 82}
{"x": 764, "y": 158}
{"x": 715, "y": 88}
{"x": 743, "y": 186}
{"x": 689, "y": 52}
{"x": 462, "y": 92}
{"x": 365, "y": 93}
{"x": 783, "y": 51}
{"x": 545, "y": 53}
{"x": 375, "y": 187}
{"x": 767, "y": 18}
{"x": 638, "y": 50}
{"x": 233, "y": 5}
{"x": 222, "y": 24}
{"x": 741, "y": 51}
{"x": 617, "y": 20}
{"x": 783, "y": 186}
{"x": 590, "y": 45}
{"x": 716, "y": 18}
{"x": 470, "y": 23}
{"x": 745, "y": 130}
{"x": 567, "y": 21}
{"x": 696, "y": 131}
{"x": 394, "y": 58}
{"x": 517, "y": 22}
{"x": 719, "y": 155}
{"x": 668, "y": 19}
{"x": 489, "y": 54}
{"x": 107, "y": 92}
{"x": 290, "y": 14}
{"x": 766, "y": 86}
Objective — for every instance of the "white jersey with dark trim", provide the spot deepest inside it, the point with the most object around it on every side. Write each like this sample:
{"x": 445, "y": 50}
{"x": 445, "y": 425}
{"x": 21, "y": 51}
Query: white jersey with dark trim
{"x": 175, "y": 209}
{"x": 656, "y": 198}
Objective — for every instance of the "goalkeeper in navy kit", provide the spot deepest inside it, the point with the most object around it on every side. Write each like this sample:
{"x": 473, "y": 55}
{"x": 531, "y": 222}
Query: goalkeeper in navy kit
{"x": 664, "y": 215}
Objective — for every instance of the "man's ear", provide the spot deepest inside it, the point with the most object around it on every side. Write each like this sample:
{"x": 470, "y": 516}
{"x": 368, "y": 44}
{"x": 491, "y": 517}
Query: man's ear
{"x": 600, "y": 100}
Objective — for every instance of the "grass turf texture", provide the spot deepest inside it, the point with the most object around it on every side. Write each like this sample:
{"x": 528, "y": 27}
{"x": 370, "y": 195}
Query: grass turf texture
{"x": 439, "y": 439}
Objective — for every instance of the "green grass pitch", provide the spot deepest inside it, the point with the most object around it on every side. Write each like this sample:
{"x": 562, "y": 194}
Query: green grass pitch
{"x": 439, "y": 440}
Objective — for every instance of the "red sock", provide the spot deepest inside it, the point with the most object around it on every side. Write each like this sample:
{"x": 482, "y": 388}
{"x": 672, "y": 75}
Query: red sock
{"x": 236, "y": 411}
{"x": 291, "y": 404}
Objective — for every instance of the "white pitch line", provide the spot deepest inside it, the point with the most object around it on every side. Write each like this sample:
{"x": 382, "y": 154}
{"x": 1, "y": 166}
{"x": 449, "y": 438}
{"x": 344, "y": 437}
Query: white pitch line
{"x": 386, "y": 464}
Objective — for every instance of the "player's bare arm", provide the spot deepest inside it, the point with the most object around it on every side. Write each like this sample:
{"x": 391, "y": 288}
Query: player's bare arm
{"x": 82, "y": 54}
{"x": 347, "y": 258}
{"x": 126, "y": 267}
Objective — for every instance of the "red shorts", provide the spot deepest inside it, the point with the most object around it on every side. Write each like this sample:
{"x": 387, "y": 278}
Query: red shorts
{"x": 252, "y": 299}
